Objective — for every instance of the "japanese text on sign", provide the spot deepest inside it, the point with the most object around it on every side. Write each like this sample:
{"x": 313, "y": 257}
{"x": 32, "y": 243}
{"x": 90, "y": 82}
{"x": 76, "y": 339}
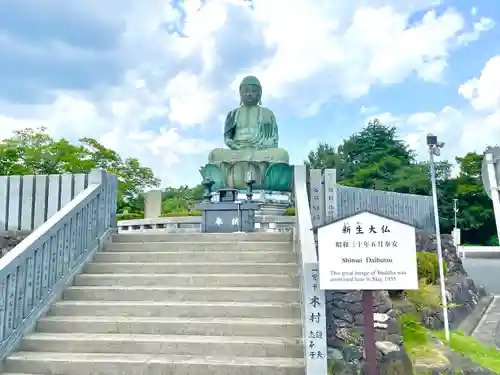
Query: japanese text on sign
{"x": 358, "y": 229}
{"x": 317, "y": 197}
{"x": 315, "y": 318}
{"x": 367, "y": 244}
{"x": 330, "y": 194}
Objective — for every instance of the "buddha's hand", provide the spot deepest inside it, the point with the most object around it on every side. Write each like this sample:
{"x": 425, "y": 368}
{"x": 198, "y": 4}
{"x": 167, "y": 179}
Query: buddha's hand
{"x": 267, "y": 130}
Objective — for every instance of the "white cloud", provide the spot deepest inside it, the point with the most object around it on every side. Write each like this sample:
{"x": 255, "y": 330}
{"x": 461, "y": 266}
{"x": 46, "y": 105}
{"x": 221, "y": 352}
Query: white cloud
{"x": 471, "y": 128}
{"x": 335, "y": 57}
{"x": 190, "y": 103}
{"x": 484, "y": 92}
{"x": 365, "y": 110}
{"x": 483, "y": 25}
{"x": 305, "y": 52}
{"x": 384, "y": 117}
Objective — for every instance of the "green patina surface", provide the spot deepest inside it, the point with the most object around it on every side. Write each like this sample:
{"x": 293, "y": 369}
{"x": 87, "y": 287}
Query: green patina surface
{"x": 251, "y": 135}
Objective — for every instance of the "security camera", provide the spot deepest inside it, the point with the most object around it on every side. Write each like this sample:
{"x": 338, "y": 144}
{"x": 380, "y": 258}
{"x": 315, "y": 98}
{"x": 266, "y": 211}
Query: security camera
{"x": 440, "y": 144}
{"x": 432, "y": 140}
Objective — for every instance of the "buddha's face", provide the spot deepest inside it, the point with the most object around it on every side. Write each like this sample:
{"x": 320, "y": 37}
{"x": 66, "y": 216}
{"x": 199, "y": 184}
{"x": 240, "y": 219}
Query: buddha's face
{"x": 250, "y": 94}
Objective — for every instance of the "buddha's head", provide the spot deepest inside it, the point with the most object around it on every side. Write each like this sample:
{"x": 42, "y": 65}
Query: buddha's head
{"x": 250, "y": 91}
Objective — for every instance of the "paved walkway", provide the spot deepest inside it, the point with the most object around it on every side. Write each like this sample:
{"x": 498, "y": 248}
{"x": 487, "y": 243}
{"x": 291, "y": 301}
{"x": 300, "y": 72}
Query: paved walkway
{"x": 484, "y": 272}
{"x": 486, "y": 331}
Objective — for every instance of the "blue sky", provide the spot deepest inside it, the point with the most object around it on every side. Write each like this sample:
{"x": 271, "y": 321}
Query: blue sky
{"x": 154, "y": 79}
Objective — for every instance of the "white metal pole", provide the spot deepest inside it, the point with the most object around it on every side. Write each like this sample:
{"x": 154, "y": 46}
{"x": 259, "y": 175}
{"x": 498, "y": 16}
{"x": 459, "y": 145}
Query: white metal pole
{"x": 444, "y": 300}
{"x": 494, "y": 190}
{"x": 455, "y": 212}
{"x": 240, "y": 229}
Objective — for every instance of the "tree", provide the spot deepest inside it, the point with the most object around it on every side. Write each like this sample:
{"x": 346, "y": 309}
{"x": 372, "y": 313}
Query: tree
{"x": 324, "y": 157}
{"x": 33, "y": 151}
{"x": 370, "y": 146}
{"x": 181, "y": 199}
{"x": 375, "y": 158}
{"x": 475, "y": 216}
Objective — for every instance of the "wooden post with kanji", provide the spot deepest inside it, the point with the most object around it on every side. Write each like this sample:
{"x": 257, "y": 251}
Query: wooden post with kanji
{"x": 315, "y": 324}
{"x": 367, "y": 251}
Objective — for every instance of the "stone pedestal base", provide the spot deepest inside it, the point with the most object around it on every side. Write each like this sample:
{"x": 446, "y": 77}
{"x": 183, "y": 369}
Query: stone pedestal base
{"x": 227, "y": 217}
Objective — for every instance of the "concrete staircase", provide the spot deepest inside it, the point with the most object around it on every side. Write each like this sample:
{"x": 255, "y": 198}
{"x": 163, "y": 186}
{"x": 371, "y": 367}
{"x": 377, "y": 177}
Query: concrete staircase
{"x": 178, "y": 304}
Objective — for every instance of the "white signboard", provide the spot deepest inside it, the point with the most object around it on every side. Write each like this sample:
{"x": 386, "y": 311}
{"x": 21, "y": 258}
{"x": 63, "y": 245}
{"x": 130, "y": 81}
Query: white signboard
{"x": 367, "y": 252}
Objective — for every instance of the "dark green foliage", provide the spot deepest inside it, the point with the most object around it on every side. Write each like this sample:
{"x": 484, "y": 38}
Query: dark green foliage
{"x": 129, "y": 216}
{"x": 375, "y": 158}
{"x": 182, "y": 213}
{"x": 33, "y": 151}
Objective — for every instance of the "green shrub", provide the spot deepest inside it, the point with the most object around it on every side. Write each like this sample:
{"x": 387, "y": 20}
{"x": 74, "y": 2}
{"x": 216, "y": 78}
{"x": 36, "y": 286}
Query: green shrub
{"x": 129, "y": 216}
{"x": 428, "y": 267}
{"x": 493, "y": 241}
{"x": 486, "y": 356}
{"x": 182, "y": 213}
{"x": 427, "y": 296}
{"x": 289, "y": 211}
{"x": 412, "y": 330}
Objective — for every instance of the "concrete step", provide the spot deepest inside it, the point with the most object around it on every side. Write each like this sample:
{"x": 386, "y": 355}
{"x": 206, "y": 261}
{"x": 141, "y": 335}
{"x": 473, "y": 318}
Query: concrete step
{"x": 137, "y": 364}
{"x": 219, "y": 294}
{"x": 186, "y": 280}
{"x": 203, "y": 237}
{"x": 171, "y": 326}
{"x": 177, "y": 309}
{"x": 193, "y": 267}
{"x": 199, "y": 246}
{"x": 227, "y": 346}
{"x": 197, "y": 256}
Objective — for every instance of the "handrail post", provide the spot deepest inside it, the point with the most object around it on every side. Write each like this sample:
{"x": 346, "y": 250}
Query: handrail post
{"x": 312, "y": 298}
{"x": 98, "y": 176}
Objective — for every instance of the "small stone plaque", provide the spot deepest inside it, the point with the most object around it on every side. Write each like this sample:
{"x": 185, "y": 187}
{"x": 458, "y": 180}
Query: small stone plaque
{"x": 225, "y": 217}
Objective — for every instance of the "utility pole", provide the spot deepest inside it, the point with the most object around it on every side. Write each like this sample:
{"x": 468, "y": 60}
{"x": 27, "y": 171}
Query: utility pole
{"x": 435, "y": 150}
{"x": 455, "y": 210}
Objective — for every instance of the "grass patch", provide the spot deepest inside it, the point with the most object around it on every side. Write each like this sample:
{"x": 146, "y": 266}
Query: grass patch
{"x": 423, "y": 352}
{"x": 488, "y": 357}
{"x": 420, "y": 349}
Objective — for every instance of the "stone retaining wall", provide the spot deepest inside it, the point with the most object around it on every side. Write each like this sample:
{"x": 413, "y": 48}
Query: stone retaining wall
{"x": 10, "y": 239}
{"x": 462, "y": 293}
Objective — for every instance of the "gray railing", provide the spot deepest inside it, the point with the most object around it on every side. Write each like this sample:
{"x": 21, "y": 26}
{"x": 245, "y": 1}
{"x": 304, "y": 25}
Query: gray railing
{"x": 312, "y": 298}
{"x": 263, "y": 223}
{"x": 330, "y": 202}
{"x": 26, "y": 202}
{"x": 35, "y": 271}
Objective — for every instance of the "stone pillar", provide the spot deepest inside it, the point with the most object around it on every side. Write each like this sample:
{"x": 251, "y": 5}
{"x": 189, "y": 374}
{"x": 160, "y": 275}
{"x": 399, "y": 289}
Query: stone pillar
{"x": 152, "y": 204}
{"x": 317, "y": 197}
{"x": 330, "y": 176}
